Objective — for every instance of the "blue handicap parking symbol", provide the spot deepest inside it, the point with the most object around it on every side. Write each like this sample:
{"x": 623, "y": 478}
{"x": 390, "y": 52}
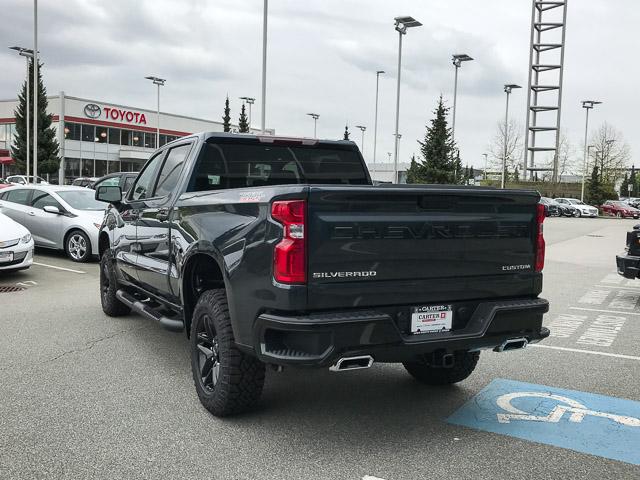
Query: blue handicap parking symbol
{"x": 586, "y": 422}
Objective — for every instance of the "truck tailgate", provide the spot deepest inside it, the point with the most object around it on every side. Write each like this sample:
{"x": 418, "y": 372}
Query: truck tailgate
{"x": 393, "y": 245}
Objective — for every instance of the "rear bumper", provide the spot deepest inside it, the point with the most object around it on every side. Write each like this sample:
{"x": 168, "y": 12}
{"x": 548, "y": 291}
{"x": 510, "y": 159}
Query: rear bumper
{"x": 319, "y": 340}
{"x": 628, "y": 266}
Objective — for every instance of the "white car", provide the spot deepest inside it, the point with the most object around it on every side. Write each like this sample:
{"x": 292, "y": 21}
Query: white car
{"x": 24, "y": 180}
{"x": 584, "y": 210}
{"x": 16, "y": 245}
{"x": 61, "y": 217}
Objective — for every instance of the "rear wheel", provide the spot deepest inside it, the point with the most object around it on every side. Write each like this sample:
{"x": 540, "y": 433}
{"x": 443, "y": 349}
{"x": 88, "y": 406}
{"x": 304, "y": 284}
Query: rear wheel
{"x": 227, "y": 380}
{"x": 78, "y": 246}
{"x": 464, "y": 365}
{"x": 619, "y": 214}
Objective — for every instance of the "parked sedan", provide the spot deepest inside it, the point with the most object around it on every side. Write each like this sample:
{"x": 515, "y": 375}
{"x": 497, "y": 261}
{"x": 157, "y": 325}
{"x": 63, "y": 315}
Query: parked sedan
{"x": 16, "y": 245}
{"x": 619, "y": 209}
{"x": 60, "y": 217}
{"x": 584, "y": 210}
{"x": 24, "y": 180}
{"x": 551, "y": 208}
{"x": 86, "y": 182}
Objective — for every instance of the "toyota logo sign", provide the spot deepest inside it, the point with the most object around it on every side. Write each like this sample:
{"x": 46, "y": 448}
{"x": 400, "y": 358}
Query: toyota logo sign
{"x": 92, "y": 110}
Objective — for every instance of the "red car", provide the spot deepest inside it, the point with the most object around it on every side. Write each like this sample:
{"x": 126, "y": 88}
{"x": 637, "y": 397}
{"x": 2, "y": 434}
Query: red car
{"x": 619, "y": 209}
{"x": 4, "y": 183}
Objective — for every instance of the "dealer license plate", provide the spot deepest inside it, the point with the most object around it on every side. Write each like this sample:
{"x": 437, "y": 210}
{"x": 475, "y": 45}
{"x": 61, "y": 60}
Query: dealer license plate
{"x": 431, "y": 318}
{"x": 6, "y": 257}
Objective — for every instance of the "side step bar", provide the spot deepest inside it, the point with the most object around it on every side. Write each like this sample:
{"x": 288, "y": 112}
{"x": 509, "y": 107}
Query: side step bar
{"x": 146, "y": 311}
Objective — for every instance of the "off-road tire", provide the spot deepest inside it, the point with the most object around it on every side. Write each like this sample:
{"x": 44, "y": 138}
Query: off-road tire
{"x": 464, "y": 364}
{"x": 108, "y": 288}
{"x": 240, "y": 377}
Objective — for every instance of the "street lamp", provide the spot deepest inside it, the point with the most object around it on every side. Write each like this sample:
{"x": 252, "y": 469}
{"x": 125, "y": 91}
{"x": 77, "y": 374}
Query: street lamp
{"x": 315, "y": 117}
{"x": 398, "y": 137}
{"x": 35, "y": 92}
{"x": 587, "y": 105}
{"x": 457, "y": 60}
{"x": 402, "y": 23}
{"x": 362, "y": 129}
{"x": 264, "y": 67}
{"x": 250, "y": 101}
{"x": 159, "y": 82}
{"x": 486, "y": 155}
{"x": 27, "y": 53}
{"x": 507, "y": 89}
{"x": 375, "y": 123}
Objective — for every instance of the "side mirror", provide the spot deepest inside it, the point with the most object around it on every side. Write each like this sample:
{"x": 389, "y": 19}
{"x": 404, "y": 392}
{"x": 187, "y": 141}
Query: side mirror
{"x": 51, "y": 209}
{"x": 109, "y": 194}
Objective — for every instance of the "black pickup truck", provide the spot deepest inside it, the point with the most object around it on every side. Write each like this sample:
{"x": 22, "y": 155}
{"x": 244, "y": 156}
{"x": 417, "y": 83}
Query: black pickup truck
{"x": 628, "y": 263}
{"x": 280, "y": 251}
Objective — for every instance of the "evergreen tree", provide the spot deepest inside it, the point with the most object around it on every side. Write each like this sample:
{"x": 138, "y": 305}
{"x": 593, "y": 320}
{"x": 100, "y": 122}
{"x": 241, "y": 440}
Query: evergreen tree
{"x": 243, "y": 122}
{"x": 516, "y": 175}
{"x": 633, "y": 181}
{"x": 472, "y": 175}
{"x": 346, "y": 132}
{"x": 415, "y": 171}
{"x": 226, "y": 118}
{"x": 624, "y": 186}
{"x": 48, "y": 148}
{"x": 465, "y": 177}
{"x": 440, "y": 163}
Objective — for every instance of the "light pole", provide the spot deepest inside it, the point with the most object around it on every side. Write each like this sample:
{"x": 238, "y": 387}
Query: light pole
{"x": 398, "y": 137}
{"x": 507, "y": 89}
{"x": 486, "y": 155}
{"x": 315, "y": 117}
{"x": 457, "y": 60}
{"x": 250, "y": 101}
{"x": 362, "y": 129}
{"x": 587, "y": 105}
{"x": 375, "y": 123}
{"x": 35, "y": 92}
{"x": 28, "y": 54}
{"x": 264, "y": 67}
{"x": 159, "y": 82}
{"x": 402, "y": 23}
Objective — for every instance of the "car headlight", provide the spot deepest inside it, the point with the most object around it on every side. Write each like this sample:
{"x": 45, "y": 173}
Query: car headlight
{"x": 98, "y": 225}
{"x": 26, "y": 238}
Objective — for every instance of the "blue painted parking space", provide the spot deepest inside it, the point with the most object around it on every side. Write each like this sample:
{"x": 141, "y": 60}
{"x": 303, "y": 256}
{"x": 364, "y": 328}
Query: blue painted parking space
{"x": 585, "y": 422}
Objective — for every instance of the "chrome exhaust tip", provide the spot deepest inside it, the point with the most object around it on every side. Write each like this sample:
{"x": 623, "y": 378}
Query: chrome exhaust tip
{"x": 512, "y": 344}
{"x": 352, "y": 363}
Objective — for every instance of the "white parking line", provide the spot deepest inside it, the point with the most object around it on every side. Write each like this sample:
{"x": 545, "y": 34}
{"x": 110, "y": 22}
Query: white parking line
{"x": 369, "y": 477}
{"x": 617, "y": 287}
{"x": 58, "y": 268}
{"x": 615, "y": 312}
{"x": 590, "y": 352}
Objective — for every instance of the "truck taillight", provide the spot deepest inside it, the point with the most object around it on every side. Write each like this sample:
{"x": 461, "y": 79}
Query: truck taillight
{"x": 540, "y": 238}
{"x": 289, "y": 255}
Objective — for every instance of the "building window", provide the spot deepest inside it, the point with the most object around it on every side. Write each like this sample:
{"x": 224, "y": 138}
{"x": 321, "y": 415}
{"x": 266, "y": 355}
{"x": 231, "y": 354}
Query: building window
{"x": 88, "y": 133}
{"x": 87, "y": 167}
{"x": 163, "y": 139}
{"x": 101, "y": 134}
{"x": 149, "y": 140}
{"x": 71, "y": 169}
{"x": 72, "y": 131}
{"x": 137, "y": 138}
{"x": 114, "y": 136}
{"x": 125, "y": 137}
{"x": 101, "y": 168}
{"x": 114, "y": 166}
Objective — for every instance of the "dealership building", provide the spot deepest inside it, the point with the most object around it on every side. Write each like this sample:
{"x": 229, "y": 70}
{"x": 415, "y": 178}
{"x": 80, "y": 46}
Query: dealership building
{"x": 97, "y": 137}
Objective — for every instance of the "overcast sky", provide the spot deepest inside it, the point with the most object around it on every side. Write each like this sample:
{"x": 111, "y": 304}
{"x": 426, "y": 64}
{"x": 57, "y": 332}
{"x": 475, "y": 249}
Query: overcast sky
{"x": 322, "y": 58}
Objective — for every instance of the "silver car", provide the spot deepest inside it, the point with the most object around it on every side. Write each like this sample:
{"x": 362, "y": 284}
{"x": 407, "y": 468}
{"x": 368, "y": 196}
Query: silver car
{"x": 61, "y": 217}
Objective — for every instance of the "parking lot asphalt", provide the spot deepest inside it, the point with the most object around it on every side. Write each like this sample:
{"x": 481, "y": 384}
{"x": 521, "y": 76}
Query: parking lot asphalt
{"x": 83, "y": 395}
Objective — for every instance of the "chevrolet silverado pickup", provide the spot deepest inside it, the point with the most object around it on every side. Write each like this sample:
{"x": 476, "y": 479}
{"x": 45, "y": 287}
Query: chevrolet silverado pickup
{"x": 628, "y": 263}
{"x": 280, "y": 251}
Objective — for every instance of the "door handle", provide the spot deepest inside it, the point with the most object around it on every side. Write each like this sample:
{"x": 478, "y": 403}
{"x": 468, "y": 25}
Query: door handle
{"x": 163, "y": 214}
{"x": 33, "y": 214}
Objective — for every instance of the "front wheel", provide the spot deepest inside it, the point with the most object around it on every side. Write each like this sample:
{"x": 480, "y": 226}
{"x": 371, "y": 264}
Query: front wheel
{"x": 227, "y": 380}
{"x": 108, "y": 288}
{"x": 619, "y": 214}
{"x": 463, "y": 366}
{"x": 577, "y": 213}
{"x": 78, "y": 246}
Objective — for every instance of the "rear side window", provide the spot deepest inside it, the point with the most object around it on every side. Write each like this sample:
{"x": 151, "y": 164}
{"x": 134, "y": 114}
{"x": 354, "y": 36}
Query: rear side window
{"x": 109, "y": 182}
{"x": 43, "y": 199}
{"x": 171, "y": 169}
{"x": 222, "y": 166}
{"x": 143, "y": 187}
{"x": 19, "y": 195}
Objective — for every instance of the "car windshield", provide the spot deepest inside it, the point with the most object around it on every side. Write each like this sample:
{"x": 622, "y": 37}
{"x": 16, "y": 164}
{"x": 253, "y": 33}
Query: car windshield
{"x": 81, "y": 199}
{"x": 576, "y": 202}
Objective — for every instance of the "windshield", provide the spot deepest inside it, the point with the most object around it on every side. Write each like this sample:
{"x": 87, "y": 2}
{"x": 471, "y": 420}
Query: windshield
{"x": 576, "y": 202}
{"x": 81, "y": 199}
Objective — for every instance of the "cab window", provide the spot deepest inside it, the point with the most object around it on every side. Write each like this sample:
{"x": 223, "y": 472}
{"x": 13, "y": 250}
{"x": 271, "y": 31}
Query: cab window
{"x": 143, "y": 188}
{"x": 43, "y": 199}
{"x": 171, "y": 169}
